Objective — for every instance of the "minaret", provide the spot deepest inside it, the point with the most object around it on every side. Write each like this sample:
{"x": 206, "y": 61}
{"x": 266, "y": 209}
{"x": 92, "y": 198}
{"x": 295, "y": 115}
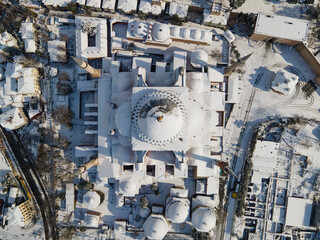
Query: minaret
{"x": 241, "y": 61}
{"x": 95, "y": 73}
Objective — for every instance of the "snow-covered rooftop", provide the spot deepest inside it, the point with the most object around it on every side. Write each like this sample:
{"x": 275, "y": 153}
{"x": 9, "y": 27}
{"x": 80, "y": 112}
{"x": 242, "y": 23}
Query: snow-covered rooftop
{"x": 108, "y": 4}
{"x": 127, "y": 6}
{"x": 29, "y": 45}
{"x": 282, "y": 27}
{"x": 91, "y": 37}
{"x": 299, "y": 212}
{"x": 178, "y": 8}
{"x": 57, "y": 51}
{"x": 27, "y": 30}
{"x": 13, "y": 118}
{"x": 56, "y": 3}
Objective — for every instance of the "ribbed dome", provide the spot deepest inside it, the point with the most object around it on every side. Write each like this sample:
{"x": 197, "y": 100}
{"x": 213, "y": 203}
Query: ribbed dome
{"x": 204, "y": 219}
{"x": 177, "y": 212}
{"x": 199, "y": 58}
{"x": 128, "y": 186}
{"x": 160, "y": 32}
{"x": 159, "y": 118}
{"x": 175, "y": 31}
{"x": 155, "y": 227}
{"x": 140, "y": 29}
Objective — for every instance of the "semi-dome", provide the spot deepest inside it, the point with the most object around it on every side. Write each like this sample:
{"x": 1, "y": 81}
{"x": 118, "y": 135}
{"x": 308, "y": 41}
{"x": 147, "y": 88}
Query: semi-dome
{"x": 123, "y": 119}
{"x": 128, "y": 186}
{"x": 204, "y": 219}
{"x": 155, "y": 227}
{"x": 140, "y": 29}
{"x": 160, "y": 32}
{"x": 175, "y": 31}
{"x": 159, "y": 118}
{"x": 199, "y": 58}
{"x": 195, "y": 82}
{"x": 177, "y": 212}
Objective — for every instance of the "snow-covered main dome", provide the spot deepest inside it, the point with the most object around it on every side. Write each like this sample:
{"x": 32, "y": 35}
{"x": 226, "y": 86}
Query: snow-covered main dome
{"x": 155, "y": 227}
{"x": 204, "y": 219}
{"x": 159, "y": 118}
{"x": 160, "y": 32}
{"x": 177, "y": 212}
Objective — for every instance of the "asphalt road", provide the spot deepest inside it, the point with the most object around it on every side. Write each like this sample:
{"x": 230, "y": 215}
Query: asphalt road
{"x": 34, "y": 180}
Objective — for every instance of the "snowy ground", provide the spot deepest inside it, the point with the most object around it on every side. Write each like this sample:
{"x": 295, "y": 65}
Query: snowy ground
{"x": 257, "y": 102}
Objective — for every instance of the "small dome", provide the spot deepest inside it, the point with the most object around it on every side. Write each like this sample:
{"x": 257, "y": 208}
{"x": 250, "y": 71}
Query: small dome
{"x": 160, "y": 32}
{"x": 186, "y": 33}
{"x": 159, "y": 118}
{"x": 155, "y": 227}
{"x": 199, "y": 58}
{"x": 140, "y": 29}
{"x": 177, "y": 212}
{"x": 144, "y": 212}
{"x": 175, "y": 31}
{"x": 123, "y": 119}
{"x": 91, "y": 200}
{"x": 204, "y": 219}
{"x": 128, "y": 186}
{"x": 196, "y": 34}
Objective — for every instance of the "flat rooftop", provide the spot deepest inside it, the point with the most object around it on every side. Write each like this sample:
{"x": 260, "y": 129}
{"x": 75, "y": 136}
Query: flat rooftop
{"x": 282, "y": 27}
{"x": 299, "y": 212}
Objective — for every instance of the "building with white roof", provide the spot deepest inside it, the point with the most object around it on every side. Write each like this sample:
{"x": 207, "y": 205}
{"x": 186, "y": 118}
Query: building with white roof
{"x": 92, "y": 219}
{"x": 264, "y": 160}
{"x": 284, "y": 82}
{"x": 27, "y": 36}
{"x": 108, "y": 5}
{"x": 13, "y": 118}
{"x": 127, "y": 6}
{"x": 299, "y": 212}
{"x": 70, "y": 197}
{"x": 91, "y": 200}
{"x": 30, "y": 46}
{"x": 179, "y": 9}
{"x": 21, "y": 215}
{"x": 56, "y": 3}
{"x": 81, "y": 2}
{"x": 145, "y": 6}
{"x": 153, "y": 121}
{"x": 163, "y": 34}
{"x": 27, "y": 30}
{"x": 94, "y": 3}
{"x": 57, "y": 50}
{"x": 280, "y": 29}
{"x": 91, "y": 37}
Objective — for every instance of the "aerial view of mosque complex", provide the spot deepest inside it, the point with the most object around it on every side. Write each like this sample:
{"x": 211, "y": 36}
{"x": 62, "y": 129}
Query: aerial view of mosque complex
{"x": 160, "y": 119}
